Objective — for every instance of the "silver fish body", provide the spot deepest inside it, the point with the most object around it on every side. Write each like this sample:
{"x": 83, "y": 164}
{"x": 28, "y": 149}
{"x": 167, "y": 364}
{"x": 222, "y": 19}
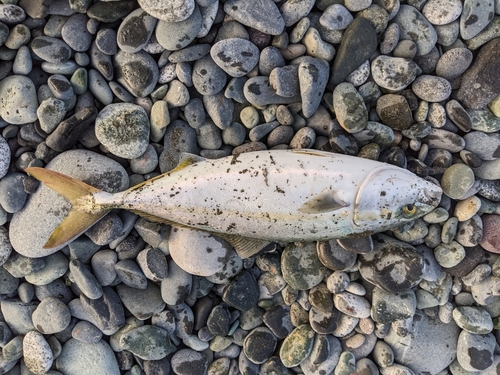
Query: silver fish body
{"x": 282, "y": 195}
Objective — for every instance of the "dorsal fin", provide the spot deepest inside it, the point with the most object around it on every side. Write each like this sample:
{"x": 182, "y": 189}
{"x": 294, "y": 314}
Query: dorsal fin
{"x": 323, "y": 202}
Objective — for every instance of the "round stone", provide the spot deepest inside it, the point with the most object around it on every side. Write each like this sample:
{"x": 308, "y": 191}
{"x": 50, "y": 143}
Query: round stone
{"x": 259, "y": 345}
{"x": 473, "y": 319}
{"x": 301, "y": 266}
{"x": 442, "y": 12}
{"x": 147, "y": 342}
{"x": 453, "y": 63}
{"x": 457, "y": 180}
{"x": 336, "y": 17}
{"x": 51, "y": 316}
{"x": 197, "y": 252}
{"x": 123, "y": 128}
{"x": 75, "y": 33}
{"x": 475, "y": 352}
{"x": 188, "y": 361}
{"x": 431, "y": 88}
{"x": 174, "y": 36}
{"x": 135, "y": 31}
{"x": 449, "y": 254}
{"x": 137, "y": 72}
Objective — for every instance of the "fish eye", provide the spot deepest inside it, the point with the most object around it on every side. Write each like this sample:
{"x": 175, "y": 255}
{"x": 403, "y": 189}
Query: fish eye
{"x": 409, "y": 210}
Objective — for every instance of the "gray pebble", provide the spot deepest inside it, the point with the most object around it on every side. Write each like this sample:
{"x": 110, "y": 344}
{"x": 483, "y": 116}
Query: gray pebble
{"x": 336, "y": 17}
{"x": 86, "y": 332}
{"x": 56, "y": 266}
{"x": 23, "y": 64}
{"x": 292, "y": 12}
{"x": 270, "y": 58}
{"x": 75, "y": 33}
{"x": 349, "y": 108}
{"x": 18, "y": 101}
{"x": 12, "y": 194}
{"x": 176, "y": 287}
{"x": 51, "y": 49}
{"x": 444, "y": 139}
{"x": 11, "y": 14}
{"x": 106, "y": 42}
{"x": 51, "y": 316}
{"x": 448, "y": 34}
{"x": 484, "y": 145}
{"x": 264, "y": 16}
{"x": 188, "y": 361}
{"x": 208, "y": 77}
{"x": 130, "y": 274}
{"x": 475, "y": 352}
{"x": 179, "y": 138}
{"x": 390, "y": 39}
{"x": 260, "y": 131}
{"x": 85, "y": 280}
{"x": 141, "y": 302}
{"x": 220, "y": 109}
{"x": 453, "y": 63}
{"x": 101, "y": 62}
{"x": 94, "y": 357}
{"x": 103, "y": 266}
{"x": 484, "y": 120}
{"x": 431, "y": 88}
{"x": 442, "y": 12}
{"x": 137, "y": 72}
{"x": 153, "y": 263}
{"x": 175, "y": 11}
{"x": 470, "y": 232}
{"x": 313, "y": 76}
{"x": 475, "y": 17}
{"x": 234, "y": 134}
{"x": 174, "y": 36}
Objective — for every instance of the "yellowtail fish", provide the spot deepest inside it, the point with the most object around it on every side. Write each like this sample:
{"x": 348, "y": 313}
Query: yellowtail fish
{"x": 256, "y": 198}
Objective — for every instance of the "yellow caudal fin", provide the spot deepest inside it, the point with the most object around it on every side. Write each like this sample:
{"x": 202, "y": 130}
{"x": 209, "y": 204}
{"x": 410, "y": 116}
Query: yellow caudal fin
{"x": 82, "y": 215}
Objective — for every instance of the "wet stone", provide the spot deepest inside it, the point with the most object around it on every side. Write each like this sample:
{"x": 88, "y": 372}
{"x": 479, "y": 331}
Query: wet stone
{"x": 381, "y": 266}
{"x": 277, "y": 319}
{"x": 137, "y": 72}
{"x": 297, "y": 346}
{"x": 388, "y": 307}
{"x": 352, "y": 305}
{"x": 147, "y": 342}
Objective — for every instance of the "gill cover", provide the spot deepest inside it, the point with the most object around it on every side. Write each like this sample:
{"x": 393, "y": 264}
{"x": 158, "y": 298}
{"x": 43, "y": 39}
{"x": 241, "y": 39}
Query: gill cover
{"x": 388, "y": 196}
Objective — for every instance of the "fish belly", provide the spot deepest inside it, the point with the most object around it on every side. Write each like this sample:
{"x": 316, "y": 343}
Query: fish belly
{"x": 258, "y": 195}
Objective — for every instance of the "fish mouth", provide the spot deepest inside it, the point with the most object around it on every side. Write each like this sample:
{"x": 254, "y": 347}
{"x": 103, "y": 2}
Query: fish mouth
{"x": 430, "y": 196}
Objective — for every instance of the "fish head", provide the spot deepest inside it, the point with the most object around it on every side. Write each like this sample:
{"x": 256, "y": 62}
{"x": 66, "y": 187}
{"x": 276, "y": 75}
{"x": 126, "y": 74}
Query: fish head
{"x": 390, "y": 196}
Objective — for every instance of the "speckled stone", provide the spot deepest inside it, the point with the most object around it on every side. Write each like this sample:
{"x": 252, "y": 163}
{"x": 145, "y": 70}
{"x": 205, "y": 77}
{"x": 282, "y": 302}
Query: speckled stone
{"x": 37, "y": 354}
{"x": 147, "y": 342}
{"x": 18, "y": 100}
{"x": 475, "y": 352}
{"x": 453, "y": 63}
{"x": 475, "y": 17}
{"x": 442, "y": 12}
{"x": 177, "y": 35}
{"x": 301, "y": 267}
{"x": 349, "y": 108}
{"x": 236, "y": 56}
{"x": 393, "y": 73}
{"x": 388, "y": 307}
{"x": 431, "y": 88}
{"x": 135, "y": 31}
{"x": 137, "y": 72}
{"x": 491, "y": 233}
{"x": 124, "y": 129}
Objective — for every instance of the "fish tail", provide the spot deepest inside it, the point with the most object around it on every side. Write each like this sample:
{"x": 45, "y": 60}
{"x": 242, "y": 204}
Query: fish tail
{"x": 84, "y": 211}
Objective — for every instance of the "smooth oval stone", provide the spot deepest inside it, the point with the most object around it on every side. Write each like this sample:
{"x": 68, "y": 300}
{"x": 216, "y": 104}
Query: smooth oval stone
{"x": 51, "y": 316}
{"x": 431, "y": 88}
{"x": 259, "y": 92}
{"x": 188, "y": 361}
{"x": 473, "y": 319}
{"x": 174, "y": 36}
{"x": 313, "y": 76}
{"x": 75, "y": 33}
{"x": 236, "y": 56}
{"x": 147, "y": 342}
{"x": 416, "y": 27}
{"x": 457, "y": 180}
{"x": 208, "y": 77}
{"x": 301, "y": 267}
{"x": 442, "y": 12}
{"x": 475, "y": 17}
{"x": 453, "y": 63}
{"x": 349, "y": 108}
{"x": 484, "y": 120}
{"x": 475, "y": 352}
{"x": 38, "y": 356}
{"x": 297, "y": 346}
{"x": 18, "y": 100}
{"x": 263, "y": 16}
{"x": 172, "y": 11}
{"x": 137, "y": 72}
{"x": 259, "y": 345}
{"x": 393, "y": 73}
{"x": 51, "y": 49}
{"x": 95, "y": 358}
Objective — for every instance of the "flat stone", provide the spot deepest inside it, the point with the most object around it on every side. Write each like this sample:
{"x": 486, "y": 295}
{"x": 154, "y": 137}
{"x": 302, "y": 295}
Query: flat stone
{"x": 394, "y": 111}
{"x": 208, "y": 77}
{"x": 336, "y": 17}
{"x": 454, "y": 63}
{"x": 51, "y": 49}
{"x": 37, "y": 354}
{"x": 297, "y": 346}
{"x": 431, "y": 88}
{"x": 479, "y": 84}
{"x": 188, "y": 361}
{"x": 475, "y": 352}
{"x": 473, "y": 319}
{"x": 75, "y": 33}
{"x": 259, "y": 345}
{"x": 18, "y": 100}
{"x": 349, "y": 108}
{"x": 259, "y": 92}
{"x": 313, "y": 76}
{"x": 442, "y": 12}
{"x": 294, "y": 11}
{"x": 51, "y": 316}
{"x": 416, "y": 27}
{"x": 485, "y": 145}
{"x": 388, "y": 307}
{"x": 263, "y": 16}
{"x": 484, "y": 120}
{"x": 135, "y": 31}
{"x": 110, "y": 11}
{"x": 301, "y": 267}
{"x": 491, "y": 237}
{"x": 359, "y": 41}
{"x": 457, "y": 180}
{"x": 93, "y": 357}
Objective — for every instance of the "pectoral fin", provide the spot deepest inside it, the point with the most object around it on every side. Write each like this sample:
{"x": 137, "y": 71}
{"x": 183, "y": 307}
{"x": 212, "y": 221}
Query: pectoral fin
{"x": 323, "y": 202}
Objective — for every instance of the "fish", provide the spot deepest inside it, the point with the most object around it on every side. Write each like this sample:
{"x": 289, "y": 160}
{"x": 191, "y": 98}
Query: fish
{"x": 257, "y": 198}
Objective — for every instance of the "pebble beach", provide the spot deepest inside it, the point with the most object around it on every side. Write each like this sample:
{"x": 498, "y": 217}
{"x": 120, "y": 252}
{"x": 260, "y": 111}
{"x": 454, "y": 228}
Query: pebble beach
{"x": 113, "y": 92}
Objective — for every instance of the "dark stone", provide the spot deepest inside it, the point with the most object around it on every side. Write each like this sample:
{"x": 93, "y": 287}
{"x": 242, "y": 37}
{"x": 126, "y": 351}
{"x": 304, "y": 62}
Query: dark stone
{"x": 334, "y": 256}
{"x": 201, "y": 311}
{"x": 481, "y": 82}
{"x": 473, "y": 257}
{"x": 107, "y": 311}
{"x": 277, "y": 318}
{"x": 111, "y": 11}
{"x": 218, "y": 321}
{"x": 259, "y": 345}
{"x": 242, "y": 293}
{"x": 358, "y": 44}
{"x": 67, "y": 133}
